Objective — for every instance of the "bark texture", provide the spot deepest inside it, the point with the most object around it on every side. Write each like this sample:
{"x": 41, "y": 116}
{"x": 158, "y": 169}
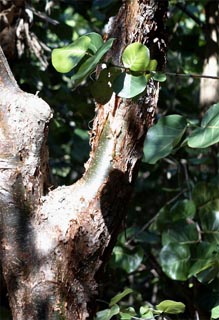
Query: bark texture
{"x": 54, "y": 244}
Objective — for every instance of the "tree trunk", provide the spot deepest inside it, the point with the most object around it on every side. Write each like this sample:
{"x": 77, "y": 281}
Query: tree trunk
{"x": 54, "y": 243}
{"x": 209, "y": 88}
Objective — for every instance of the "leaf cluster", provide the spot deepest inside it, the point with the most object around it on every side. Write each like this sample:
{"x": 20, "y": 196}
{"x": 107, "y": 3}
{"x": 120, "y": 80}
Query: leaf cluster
{"x": 165, "y": 137}
{"x": 145, "y": 312}
{"x": 82, "y": 57}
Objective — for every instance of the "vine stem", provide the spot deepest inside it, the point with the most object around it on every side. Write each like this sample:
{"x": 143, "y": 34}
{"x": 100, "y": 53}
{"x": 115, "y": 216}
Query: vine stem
{"x": 191, "y": 75}
{"x": 175, "y": 74}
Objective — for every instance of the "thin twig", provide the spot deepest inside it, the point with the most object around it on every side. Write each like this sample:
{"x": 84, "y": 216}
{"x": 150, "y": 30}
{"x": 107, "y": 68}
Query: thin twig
{"x": 175, "y": 74}
{"x": 192, "y": 75}
{"x": 190, "y": 14}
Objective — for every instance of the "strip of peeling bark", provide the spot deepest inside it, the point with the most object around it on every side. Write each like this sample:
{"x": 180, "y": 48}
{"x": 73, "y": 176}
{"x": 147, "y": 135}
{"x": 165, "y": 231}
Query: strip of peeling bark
{"x": 54, "y": 245}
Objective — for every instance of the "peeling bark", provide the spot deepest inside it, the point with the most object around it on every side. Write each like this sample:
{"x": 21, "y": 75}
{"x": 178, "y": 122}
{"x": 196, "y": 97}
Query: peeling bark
{"x": 54, "y": 244}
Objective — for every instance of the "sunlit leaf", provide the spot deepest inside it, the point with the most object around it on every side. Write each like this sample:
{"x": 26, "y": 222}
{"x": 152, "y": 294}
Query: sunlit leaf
{"x": 208, "y": 133}
{"x": 107, "y": 314}
{"x": 120, "y": 296}
{"x": 152, "y": 66}
{"x": 128, "y": 86}
{"x": 146, "y": 313}
{"x": 127, "y": 313}
{"x": 215, "y": 313}
{"x": 96, "y": 41}
{"x": 171, "y": 307}
{"x": 136, "y": 57}
{"x": 175, "y": 261}
{"x": 159, "y": 76}
{"x": 209, "y": 220}
{"x": 125, "y": 316}
{"x": 163, "y": 137}
{"x": 90, "y": 64}
{"x": 66, "y": 58}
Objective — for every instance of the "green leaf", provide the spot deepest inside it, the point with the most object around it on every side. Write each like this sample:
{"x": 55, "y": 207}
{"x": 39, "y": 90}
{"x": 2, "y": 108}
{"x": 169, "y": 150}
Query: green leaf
{"x": 147, "y": 237}
{"x": 159, "y": 76}
{"x": 174, "y": 259}
{"x": 209, "y": 218}
{"x": 102, "y": 89}
{"x": 88, "y": 66}
{"x": 206, "y": 265}
{"x": 163, "y": 137}
{"x": 209, "y": 272}
{"x": 168, "y": 214}
{"x": 66, "y": 58}
{"x": 146, "y": 313}
{"x": 128, "y": 86}
{"x": 215, "y": 313}
{"x": 125, "y": 316}
{"x": 120, "y": 296}
{"x": 96, "y": 41}
{"x": 127, "y": 313}
{"x": 211, "y": 115}
{"x": 208, "y": 134}
{"x": 152, "y": 66}
{"x": 128, "y": 260}
{"x": 107, "y": 314}
{"x": 183, "y": 209}
{"x": 204, "y": 192}
{"x": 180, "y": 232}
{"x": 171, "y": 307}
{"x": 136, "y": 57}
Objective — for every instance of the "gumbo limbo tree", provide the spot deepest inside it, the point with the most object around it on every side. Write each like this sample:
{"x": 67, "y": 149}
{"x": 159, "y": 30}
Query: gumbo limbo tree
{"x": 54, "y": 243}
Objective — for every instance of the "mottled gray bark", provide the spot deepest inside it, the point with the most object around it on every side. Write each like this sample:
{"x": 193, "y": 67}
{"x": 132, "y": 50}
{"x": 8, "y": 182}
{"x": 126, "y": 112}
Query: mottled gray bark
{"x": 54, "y": 243}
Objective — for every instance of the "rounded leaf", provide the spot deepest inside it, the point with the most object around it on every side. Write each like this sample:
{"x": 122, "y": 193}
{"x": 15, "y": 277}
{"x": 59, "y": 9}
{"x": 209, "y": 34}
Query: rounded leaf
{"x": 102, "y": 89}
{"x": 159, "y": 76}
{"x": 208, "y": 133}
{"x": 215, "y": 312}
{"x": 127, "y": 260}
{"x": 209, "y": 220}
{"x": 152, "y": 66}
{"x": 181, "y": 232}
{"x": 128, "y": 86}
{"x": 174, "y": 259}
{"x": 171, "y": 307}
{"x": 66, "y": 58}
{"x": 163, "y": 137}
{"x": 136, "y": 57}
{"x": 204, "y": 192}
{"x": 96, "y": 41}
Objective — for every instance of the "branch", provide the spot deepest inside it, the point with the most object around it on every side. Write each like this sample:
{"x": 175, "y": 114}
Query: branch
{"x": 191, "y": 75}
{"x": 190, "y": 14}
{"x": 6, "y": 77}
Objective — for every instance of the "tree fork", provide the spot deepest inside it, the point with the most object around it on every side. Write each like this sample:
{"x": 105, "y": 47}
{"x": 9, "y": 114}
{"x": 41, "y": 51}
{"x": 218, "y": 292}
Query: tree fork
{"x": 53, "y": 244}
